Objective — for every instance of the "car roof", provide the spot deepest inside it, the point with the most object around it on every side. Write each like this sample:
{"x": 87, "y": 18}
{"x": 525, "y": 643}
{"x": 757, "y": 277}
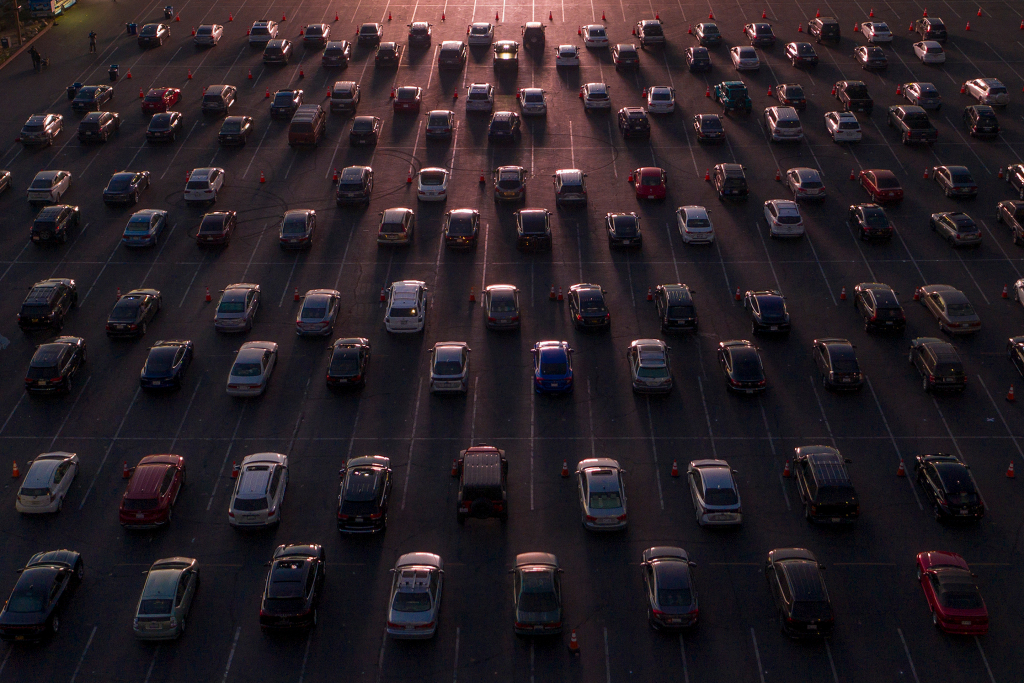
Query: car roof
{"x": 596, "y": 87}
{"x": 41, "y": 470}
{"x": 827, "y": 464}
{"x": 481, "y": 468}
{"x": 804, "y": 580}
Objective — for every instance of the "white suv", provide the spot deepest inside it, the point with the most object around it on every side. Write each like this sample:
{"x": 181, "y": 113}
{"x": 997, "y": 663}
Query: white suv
{"x": 480, "y": 97}
{"x": 783, "y": 124}
{"x": 203, "y": 184}
{"x": 695, "y": 225}
{"x": 406, "y": 306}
{"x": 784, "y": 219}
{"x": 259, "y": 490}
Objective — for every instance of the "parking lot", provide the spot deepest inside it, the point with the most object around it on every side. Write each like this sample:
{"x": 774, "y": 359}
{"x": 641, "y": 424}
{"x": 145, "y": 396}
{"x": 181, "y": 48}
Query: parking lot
{"x": 883, "y": 629}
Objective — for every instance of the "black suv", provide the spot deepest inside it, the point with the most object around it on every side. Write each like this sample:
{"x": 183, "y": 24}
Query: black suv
{"x": 47, "y": 304}
{"x": 483, "y": 483}
{"x": 948, "y": 484}
{"x": 795, "y": 581}
{"x": 939, "y": 364}
{"x": 98, "y": 126}
{"x": 365, "y": 130}
{"x": 767, "y": 311}
{"x": 824, "y": 28}
{"x": 870, "y": 222}
{"x": 505, "y": 125}
{"x": 824, "y": 485}
{"x": 633, "y": 122}
{"x": 533, "y": 229}
{"x": 54, "y": 223}
{"x": 294, "y": 585}
{"x": 365, "y": 493}
{"x": 533, "y": 34}
{"x": 931, "y": 28}
{"x": 980, "y": 121}
{"x": 837, "y": 364}
{"x": 587, "y": 307}
{"x": 730, "y": 181}
{"x": 675, "y": 307}
{"x": 879, "y": 306}
{"x": 355, "y": 185}
{"x": 623, "y": 229}
{"x": 54, "y": 365}
{"x": 853, "y": 95}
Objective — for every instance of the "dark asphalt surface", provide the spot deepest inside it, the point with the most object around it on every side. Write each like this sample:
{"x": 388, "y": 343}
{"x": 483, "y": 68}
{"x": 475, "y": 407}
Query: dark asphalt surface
{"x": 883, "y": 631}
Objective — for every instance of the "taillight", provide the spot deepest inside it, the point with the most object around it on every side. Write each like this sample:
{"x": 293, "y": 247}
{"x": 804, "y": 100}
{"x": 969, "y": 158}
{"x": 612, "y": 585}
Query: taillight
{"x": 607, "y": 316}
{"x": 376, "y": 515}
{"x": 231, "y": 513}
{"x": 56, "y": 379}
{"x": 874, "y": 316}
{"x": 491, "y": 319}
{"x": 762, "y": 383}
{"x": 931, "y": 378}
{"x": 341, "y": 516}
{"x": 621, "y": 518}
{"x": 514, "y": 318}
{"x": 591, "y": 518}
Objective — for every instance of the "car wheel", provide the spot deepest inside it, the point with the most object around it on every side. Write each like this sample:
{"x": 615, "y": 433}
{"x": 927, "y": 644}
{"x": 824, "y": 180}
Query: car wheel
{"x": 60, "y": 504}
{"x": 935, "y": 619}
{"x": 925, "y": 385}
{"x": 142, "y": 329}
{"x": 181, "y": 627}
{"x": 54, "y": 625}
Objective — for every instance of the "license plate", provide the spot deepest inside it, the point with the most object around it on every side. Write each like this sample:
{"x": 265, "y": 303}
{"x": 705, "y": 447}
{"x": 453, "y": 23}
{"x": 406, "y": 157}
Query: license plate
{"x": 847, "y": 379}
{"x": 156, "y": 384}
{"x": 359, "y": 519}
{"x": 775, "y": 328}
{"x": 153, "y": 626}
{"x": 139, "y": 515}
{"x": 812, "y": 627}
{"x": 888, "y": 322}
{"x": 624, "y": 242}
{"x": 834, "y": 519}
{"x": 964, "y": 512}
{"x": 41, "y": 382}
{"x": 965, "y": 623}
{"x": 749, "y": 391}
{"x": 19, "y": 637}
{"x": 409, "y": 627}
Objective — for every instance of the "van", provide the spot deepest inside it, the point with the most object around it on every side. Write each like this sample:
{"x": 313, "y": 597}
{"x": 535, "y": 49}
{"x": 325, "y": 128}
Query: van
{"x": 344, "y": 96}
{"x": 308, "y": 125}
{"x": 783, "y": 124}
{"x": 824, "y": 485}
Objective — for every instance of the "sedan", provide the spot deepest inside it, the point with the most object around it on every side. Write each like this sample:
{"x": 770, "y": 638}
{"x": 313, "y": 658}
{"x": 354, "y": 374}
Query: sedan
{"x": 387, "y": 54}
{"x": 708, "y": 128}
{"x": 623, "y": 229}
{"x": 783, "y": 218}
{"x": 285, "y": 103}
{"x": 144, "y": 228}
{"x": 449, "y": 367}
{"x": 160, "y": 99}
{"x": 506, "y": 54}
{"x": 668, "y": 584}
{"x": 587, "y": 307}
{"x": 133, "y": 312}
{"x": 153, "y": 34}
{"x": 870, "y": 222}
{"x": 694, "y": 223}
{"x": 92, "y": 98}
{"x": 759, "y": 34}
{"x": 767, "y": 310}
{"x": 349, "y": 359}
{"x": 166, "y": 599}
{"x": 990, "y": 91}
{"x": 744, "y": 58}
{"x": 805, "y": 183}
{"x": 460, "y": 228}
{"x": 567, "y": 55}
{"x": 501, "y": 307}
{"x": 741, "y": 366}
{"x": 715, "y": 493}
{"x": 951, "y": 309}
{"x": 408, "y": 98}
{"x": 879, "y": 307}
{"x": 595, "y": 96}
{"x": 370, "y": 34}
{"x": 949, "y": 486}
{"x": 295, "y": 584}
{"x": 952, "y": 593}
{"x": 602, "y": 494}
{"x": 594, "y": 35}
{"x": 216, "y": 227}
{"x": 296, "y": 229}
{"x": 1011, "y": 214}
{"x": 533, "y": 229}
{"x": 537, "y": 594}
{"x": 843, "y": 126}
{"x": 480, "y": 33}
{"x": 432, "y": 185}
{"x": 364, "y": 495}
{"x": 930, "y": 52}
{"x": 237, "y": 308}
{"x": 882, "y": 186}
{"x": 415, "y": 603}
{"x": 552, "y": 367}
{"x": 871, "y": 58}
{"x": 649, "y": 366}
{"x": 235, "y": 130}
{"x": 318, "y": 313}
{"x": 707, "y": 34}
{"x": 955, "y": 181}
{"x": 957, "y": 228}
{"x": 166, "y": 364}
{"x": 365, "y": 130}
{"x": 661, "y": 99}
{"x": 924, "y": 95}
{"x": 208, "y": 35}
{"x": 46, "y": 483}
{"x": 532, "y": 102}
{"x": 698, "y": 59}
{"x": 798, "y": 588}
{"x": 649, "y": 182}
{"x": 250, "y": 373}
{"x": 801, "y": 54}
{"x": 440, "y": 124}
{"x": 315, "y": 36}
{"x": 876, "y": 32}
{"x": 165, "y": 126}
{"x": 125, "y": 186}
{"x": 35, "y": 606}
{"x": 48, "y": 187}
{"x": 837, "y": 364}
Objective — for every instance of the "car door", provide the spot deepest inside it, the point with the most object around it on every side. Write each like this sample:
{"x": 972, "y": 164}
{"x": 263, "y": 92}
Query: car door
{"x": 582, "y": 489}
{"x": 251, "y": 303}
{"x": 697, "y": 490}
{"x": 63, "y": 475}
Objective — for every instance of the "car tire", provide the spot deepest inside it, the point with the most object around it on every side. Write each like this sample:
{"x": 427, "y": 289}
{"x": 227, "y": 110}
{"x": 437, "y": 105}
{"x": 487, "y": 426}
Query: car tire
{"x": 54, "y": 625}
{"x": 60, "y": 504}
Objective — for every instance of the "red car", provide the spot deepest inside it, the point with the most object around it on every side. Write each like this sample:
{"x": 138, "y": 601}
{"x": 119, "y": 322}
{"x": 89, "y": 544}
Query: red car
{"x": 407, "y": 98}
{"x": 882, "y": 185}
{"x": 952, "y": 593}
{"x": 649, "y": 182}
{"x": 160, "y": 100}
{"x": 153, "y": 488}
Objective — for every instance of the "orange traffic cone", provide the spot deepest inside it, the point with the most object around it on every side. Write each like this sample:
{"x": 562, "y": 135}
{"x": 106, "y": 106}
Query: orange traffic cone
{"x": 15, "y": 472}
{"x": 579, "y": 31}
{"x": 910, "y": 29}
{"x": 231, "y": 17}
{"x": 901, "y": 471}
{"x": 785, "y": 471}
{"x": 382, "y": 297}
{"x": 565, "y": 468}
{"x": 250, "y": 74}
{"x": 833, "y": 91}
{"x": 817, "y": 13}
{"x": 856, "y": 28}
{"x": 336, "y": 16}
{"x": 234, "y": 470}
{"x": 711, "y": 16}
{"x": 689, "y": 29}
{"x": 408, "y": 178}
{"x": 1006, "y": 294}
{"x": 707, "y": 175}
{"x": 455, "y": 95}
{"x": 800, "y": 28}
{"x": 334, "y": 178}
{"x": 739, "y": 297}
{"x": 296, "y": 295}
{"x": 482, "y": 179}
{"x": 301, "y": 74}
{"x": 707, "y": 91}
{"x": 764, "y": 15}
{"x": 926, "y": 174}
{"x": 128, "y": 75}
{"x": 574, "y": 645}
{"x": 496, "y": 17}
{"x": 177, "y": 17}
{"x": 118, "y": 293}
{"x": 853, "y": 174}
{"x": 442, "y": 16}
{"x": 675, "y": 468}
{"x": 925, "y": 12}
{"x": 208, "y": 297}
{"x": 968, "y": 26}
{"x": 263, "y": 178}
{"x": 550, "y": 17}
{"x": 963, "y": 88}
{"x": 770, "y": 92}
{"x": 899, "y": 89}
{"x": 650, "y": 294}
{"x": 125, "y": 473}
{"x": 285, "y": 18}
{"x": 630, "y": 178}
{"x": 917, "y": 294}
{"x": 871, "y": 13}
{"x": 551, "y": 296}
{"x": 189, "y": 77}
{"x": 141, "y": 94}
{"x": 979, "y": 11}
{"x": 1000, "y": 174}
{"x": 560, "y": 297}
{"x": 472, "y": 294}
{"x": 302, "y": 31}
{"x": 1009, "y": 395}
{"x": 842, "y": 294}
{"x": 455, "y": 467}
{"x": 267, "y": 96}
{"x": 602, "y": 16}
{"x": 778, "y": 175}
{"x": 193, "y": 30}
{"x": 1010, "y": 474}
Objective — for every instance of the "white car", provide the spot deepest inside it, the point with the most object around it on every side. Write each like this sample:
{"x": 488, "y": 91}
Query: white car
{"x": 744, "y": 58}
{"x": 480, "y": 97}
{"x": 449, "y": 367}
{"x": 595, "y": 96}
{"x": 319, "y": 312}
{"x": 876, "y": 32}
{"x": 783, "y": 217}
{"x": 48, "y": 187}
{"x": 602, "y": 494}
{"x": 532, "y": 101}
{"x": 208, "y": 34}
{"x": 480, "y": 33}
{"x": 567, "y": 55}
{"x": 204, "y": 184}
{"x": 250, "y": 373}
{"x": 695, "y": 225}
{"x": 47, "y": 482}
{"x": 415, "y": 596}
{"x": 661, "y": 99}
{"x": 432, "y": 185}
{"x": 259, "y": 490}
{"x": 924, "y": 95}
{"x": 262, "y": 32}
{"x": 843, "y": 126}
{"x": 805, "y": 183}
{"x": 930, "y": 52}
{"x": 1018, "y": 288}
{"x": 595, "y": 35}
{"x": 406, "y": 306}
{"x": 715, "y": 495}
{"x": 990, "y": 91}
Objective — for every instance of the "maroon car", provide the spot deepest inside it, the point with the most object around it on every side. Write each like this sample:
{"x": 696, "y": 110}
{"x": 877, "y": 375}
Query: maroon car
{"x": 160, "y": 99}
{"x": 153, "y": 488}
{"x": 882, "y": 185}
{"x": 952, "y": 593}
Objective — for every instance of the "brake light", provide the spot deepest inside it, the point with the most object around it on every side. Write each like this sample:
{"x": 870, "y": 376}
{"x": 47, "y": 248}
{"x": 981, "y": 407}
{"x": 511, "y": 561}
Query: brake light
{"x": 931, "y": 378}
{"x": 56, "y": 379}
{"x": 591, "y": 518}
{"x": 341, "y": 516}
{"x": 376, "y": 515}
{"x": 491, "y": 319}
{"x": 874, "y": 316}
{"x": 231, "y": 513}
{"x": 430, "y": 625}
{"x": 607, "y": 316}
{"x": 514, "y": 318}
{"x": 762, "y": 383}
{"x": 621, "y": 518}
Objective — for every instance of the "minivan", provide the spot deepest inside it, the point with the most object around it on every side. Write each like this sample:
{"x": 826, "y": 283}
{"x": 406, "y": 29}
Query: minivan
{"x": 308, "y": 125}
{"x": 824, "y": 485}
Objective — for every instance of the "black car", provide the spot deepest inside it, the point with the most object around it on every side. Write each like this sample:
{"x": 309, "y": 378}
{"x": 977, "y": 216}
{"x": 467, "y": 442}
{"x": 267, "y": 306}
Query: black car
{"x": 698, "y": 59}
{"x": 1015, "y": 351}
{"x": 879, "y": 306}
{"x": 296, "y": 229}
{"x": 870, "y": 222}
{"x": 730, "y": 181}
{"x": 801, "y": 599}
{"x": 824, "y": 485}
{"x": 365, "y": 493}
{"x": 47, "y": 304}
{"x": 336, "y": 53}
{"x": 939, "y": 364}
{"x": 277, "y": 51}
{"x": 980, "y": 121}
{"x": 98, "y": 126}
{"x": 151, "y": 35}
{"x": 650, "y": 32}
{"x": 440, "y": 124}
{"x": 824, "y": 28}
{"x": 505, "y": 55}
{"x": 285, "y": 103}
{"x": 347, "y": 367}
{"x": 955, "y": 181}
{"x": 294, "y": 585}
{"x": 40, "y": 596}
{"x": 419, "y": 33}
{"x": 166, "y": 364}
{"x": 931, "y": 28}
{"x": 460, "y": 228}
{"x": 708, "y": 128}
{"x": 133, "y": 312}
{"x": 165, "y": 125}
{"x": 1015, "y": 177}
{"x": 741, "y": 365}
{"x": 853, "y": 95}
{"x": 767, "y": 311}
{"x": 124, "y": 187}
{"x": 370, "y": 34}
{"x": 625, "y": 55}
{"x": 216, "y": 228}
{"x": 504, "y": 126}
{"x": 1011, "y": 213}
{"x": 316, "y": 36}
{"x": 54, "y": 223}
{"x": 365, "y": 130}
{"x": 707, "y": 34}
{"x": 587, "y": 307}
{"x": 949, "y": 486}
{"x": 235, "y": 130}
{"x": 802, "y": 54}
{"x": 837, "y": 364}
{"x": 452, "y": 55}
{"x": 676, "y": 310}
{"x": 623, "y": 229}
{"x": 759, "y": 34}
{"x": 633, "y": 122}
{"x": 355, "y": 185}
{"x": 55, "y": 365}
{"x": 92, "y": 98}
{"x": 533, "y": 229}
{"x": 388, "y": 54}
{"x": 668, "y": 584}
{"x": 791, "y": 95}
{"x": 871, "y": 58}
{"x": 483, "y": 483}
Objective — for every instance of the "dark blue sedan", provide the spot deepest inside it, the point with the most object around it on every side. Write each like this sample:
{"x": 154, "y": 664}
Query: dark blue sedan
{"x": 166, "y": 365}
{"x": 552, "y": 367}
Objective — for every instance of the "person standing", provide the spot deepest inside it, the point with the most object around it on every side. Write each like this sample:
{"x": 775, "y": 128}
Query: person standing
{"x": 92, "y": 41}
{"x": 36, "y": 59}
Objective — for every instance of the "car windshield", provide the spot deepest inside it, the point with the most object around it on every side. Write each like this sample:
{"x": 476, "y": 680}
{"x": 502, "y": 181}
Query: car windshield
{"x": 244, "y": 369}
{"x": 675, "y": 597}
{"x": 251, "y": 504}
{"x": 148, "y": 30}
{"x": 460, "y": 225}
{"x": 959, "y": 310}
{"x": 710, "y": 30}
{"x": 432, "y": 178}
{"x": 411, "y": 602}
{"x": 283, "y": 99}
{"x": 447, "y": 367}
{"x": 29, "y": 599}
{"x": 605, "y": 500}
{"x": 661, "y": 96}
{"x": 155, "y": 606}
{"x": 508, "y": 180}
{"x": 533, "y": 97}
{"x": 533, "y": 224}
{"x": 794, "y": 92}
{"x": 260, "y": 31}
{"x": 204, "y": 31}
{"x": 551, "y": 368}
{"x": 345, "y": 362}
{"x": 652, "y": 373}
{"x": 478, "y": 95}
{"x": 597, "y": 32}
{"x": 537, "y": 592}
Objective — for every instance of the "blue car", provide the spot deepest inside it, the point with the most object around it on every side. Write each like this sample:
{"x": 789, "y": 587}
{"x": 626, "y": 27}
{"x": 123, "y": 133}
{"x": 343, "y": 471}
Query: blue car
{"x": 552, "y": 367}
{"x": 144, "y": 228}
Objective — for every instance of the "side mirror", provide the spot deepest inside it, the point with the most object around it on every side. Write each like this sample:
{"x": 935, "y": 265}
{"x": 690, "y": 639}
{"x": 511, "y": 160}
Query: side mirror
{"x": 848, "y": 461}
{"x": 692, "y": 563}
{"x": 735, "y": 472}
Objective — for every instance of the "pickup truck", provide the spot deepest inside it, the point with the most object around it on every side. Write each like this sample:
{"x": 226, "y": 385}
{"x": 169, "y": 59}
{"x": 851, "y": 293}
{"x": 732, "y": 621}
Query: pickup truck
{"x": 913, "y": 125}
{"x": 732, "y": 95}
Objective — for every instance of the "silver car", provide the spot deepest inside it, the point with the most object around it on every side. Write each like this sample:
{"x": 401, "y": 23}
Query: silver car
{"x": 531, "y": 101}
{"x": 259, "y": 490}
{"x": 501, "y": 307}
{"x": 924, "y": 95}
{"x": 805, "y": 183}
{"x": 602, "y": 494}
{"x": 449, "y": 367}
{"x": 649, "y": 366}
{"x": 47, "y": 482}
{"x": 415, "y": 596}
{"x": 237, "y": 307}
{"x": 250, "y": 373}
{"x": 319, "y": 312}
{"x": 716, "y": 497}
{"x": 208, "y": 34}
{"x": 166, "y": 599}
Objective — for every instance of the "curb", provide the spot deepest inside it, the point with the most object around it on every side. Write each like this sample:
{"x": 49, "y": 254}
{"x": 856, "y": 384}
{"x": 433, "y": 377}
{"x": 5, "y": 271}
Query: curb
{"x": 27, "y": 44}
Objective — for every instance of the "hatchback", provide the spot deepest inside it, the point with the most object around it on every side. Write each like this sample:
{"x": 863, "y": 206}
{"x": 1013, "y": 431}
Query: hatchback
{"x": 285, "y": 103}
{"x": 250, "y": 373}
{"x": 166, "y": 599}
{"x": 336, "y": 53}
{"x": 676, "y": 310}
{"x": 594, "y": 35}
{"x": 48, "y": 187}
{"x": 365, "y": 492}
{"x": 878, "y": 305}
{"x": 537, "y": 594}
{"x": 160, "y": 99}
{"x": 318, "y": 313}
{"x": 623, "y": 229}
{"x": 449, "y": 367}
{"x": 595, "y": 96}
{"x": 570, "y": 186}
{"x": 98, "y": 126}
{"x": 924, "y": 95}
{"x": 216, "y": 228}
{"x": 355, "y": 185}
{"x": 432, "y": 185}
{"x": 349, "y": 360}
{"x": 153, "y": 488}
{"x": 406, "y": 306}
{"x": 204, "y": 184}
{"x": 55, "y": 365}
{"x": 297, "y": 228}
{"x": 396, "y": 226}
{"x": 237, "y": 307}
{"x": 460, "y": 228}
{"x": 567, "y": 55}
{"x": 587, "y": 307}
{"x": 501, "y": 307}
{"x": 440, "y": 123}
{"x": 217, "y": 99}
{"x": 552, "y": 367}
{"x": 505, "y": 126}
{"x": 649, "y": 182}
{"x": 649, "y": 366}
{"x": 46, "y": 483}
{"x": 798, "y": 588}
{"x": 259, "y": 490}
{"x": 506, "y": 54}
{"x": 661, "y": 99}
{"x": 843, "y": 127}
{"x": 277, "y": 51}
{"x": 480, "y": 97}
{"x": 783, "y": 218}
{"x": 365, "y": 130}
{"x": 533, "y": 229}
{"x": 315, "y": 36}
{"x": 602, "y": 494}
{"x": 532, "y": 102}
{"x": 805, "y": 183}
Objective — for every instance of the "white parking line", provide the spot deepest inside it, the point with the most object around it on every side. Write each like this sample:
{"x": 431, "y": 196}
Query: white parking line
{"x": 167, "y": 238}
{"x": 757, "y": 229}
{"x": 607, "y": 658}
{"x": 412, "y": 443}
{"x": 828, "y": 427}
{"x": 92, "y": 634}
{"x": 11, "y": 264}
{"x": 254, "y": 250}
{"x": 190, "y": 282}
{"x": 20, "y": 399}
{"x": 178, "y": 151}
{"x": 6, "y": 657}
{"x": 352, "y": 436}
{"x": 1003, "y": 419}
{"x": 590, "y": 420}
{"x": 255, "y": 153}
{"x": 224, "y": 463}
{"x": 948, "y": 430}
{"x": 579, "y": 248}
{"x": 110, "y": 447}
{"x": 60, "y": 429}
{"x": 231, "y": 654}
{"x": 305, "y": 656}
{"x": 984, "y": 659}
{"x": 572, "y": 147}
{"x": 380, "y": 658}
{"x": 152, "y": 664}
{"x": 913, "y": 669}
{"x": 455, "y": 674}
{"x": 971, "y": 275}
{"x": 821, "y": 268}
{"x": 105, "y": 264}
{"x": 707, "y": 417}
{"x": 1012, "y": 262}
{"x": 533, "y": 647}
{"x": 344, "y": 255}
{"x": 472, "y": 423}
{"x": 533, "y": 401}
{"x": 757, "y": 654}
{"x": 672, "y": 251}
{"x": 896, "y": 447}
{"x": 288, "y": 282}
{"x": 654, "y": 452}
{"x": 831, "y": 662}
{"x": 682, "y": 657}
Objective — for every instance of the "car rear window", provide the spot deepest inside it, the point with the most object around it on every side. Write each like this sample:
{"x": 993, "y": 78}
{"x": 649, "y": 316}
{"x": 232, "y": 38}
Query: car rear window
{"x": 362, "y": 485}
{"x": 41, "y": 184}
{"x": 954, "y": 310}
{"x": 119, "y": 183}
{"x": 198, "y": 185}
{"x": 963, "y": 179}
{"x": 139, "y": 504}
{"x": 294, "y": 225}
{"x": 418, "y": 601}
{"x": 680, "y": 311}
{"x": 345, "y": 362}
{"x": 675, "y": 597}
{"x": 301, "y": 127}
{"x": 887, "y": 183}
{"x": 242, "y": 369}
{"x": 554, "y": 367}
{"x": 502, "y": 303}
{"x": 399, "y": 312}
{"x": 251, "y": 504}
{"x": 155, "y": 607}
{"x": 460, "y": 226}
{"x": 650, "y": 180}
{"x": 720, "y": 497}
{"x": 437, "y": 120}
{"x": 33, "y": 128}
{"x": 447, "y": 367}
{"x": 33, "y": 493}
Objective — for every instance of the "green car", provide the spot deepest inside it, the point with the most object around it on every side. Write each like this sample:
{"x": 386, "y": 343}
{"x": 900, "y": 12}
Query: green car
{"x": 733, "y": 96}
